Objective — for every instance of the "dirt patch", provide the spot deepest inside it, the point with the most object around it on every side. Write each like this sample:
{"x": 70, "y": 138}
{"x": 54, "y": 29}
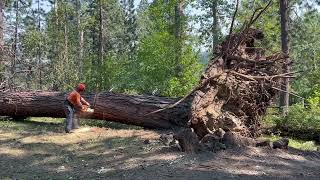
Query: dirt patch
{"x": 41, "y": 150}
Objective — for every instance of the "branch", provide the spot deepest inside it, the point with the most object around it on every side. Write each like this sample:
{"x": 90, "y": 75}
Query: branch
{"x": 260, "y": 13}
{"x": 247, "y": 26}
{"x": 254, "y": 78}
{"x": 276, "y": 57}
{"x": 288, "y": 92}
{"x": 232, "y": 24}
{"x": 233, "y": 18}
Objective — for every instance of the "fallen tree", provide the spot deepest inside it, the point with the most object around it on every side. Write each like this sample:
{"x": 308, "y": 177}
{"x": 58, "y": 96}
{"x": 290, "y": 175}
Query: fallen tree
{"x": 108, "y": 106}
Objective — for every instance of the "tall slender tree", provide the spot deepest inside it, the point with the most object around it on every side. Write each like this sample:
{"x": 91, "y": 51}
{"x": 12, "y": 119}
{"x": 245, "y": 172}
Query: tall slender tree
{"x": 179, "y": 23}
{"x": 80, "y": 37}
{"x": 15, "y": 43}
{"x": 130, "y": 23}
{"x": 101, "y": 33}
{"x": 211, "y": 20}
{"x": 1, "y": 25}
{"x": 1, "y": 36}
{"x": 216, "y": 32}
{"x": 40, "y": 17}
{"x": 285, "y": 49}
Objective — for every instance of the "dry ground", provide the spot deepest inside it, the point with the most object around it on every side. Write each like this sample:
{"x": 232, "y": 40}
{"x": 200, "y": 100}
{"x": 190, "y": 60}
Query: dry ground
{"x": 38, "y": 149}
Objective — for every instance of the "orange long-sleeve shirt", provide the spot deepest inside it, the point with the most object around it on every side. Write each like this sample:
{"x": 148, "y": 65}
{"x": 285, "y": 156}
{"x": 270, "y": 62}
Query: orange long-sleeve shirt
{"x": 75, "y": 98}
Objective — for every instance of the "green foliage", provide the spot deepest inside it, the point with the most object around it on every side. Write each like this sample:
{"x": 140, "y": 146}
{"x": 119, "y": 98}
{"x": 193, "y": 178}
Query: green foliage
{"x": 181, "y": 85}
{"x": 213, "y": 17}
{"x": 306, "y": 53}
{"x": 272, "y": 118}
{"x": 269, "y": 22}
{"x": 156, "y": 59}
{"x": 299, "y": 119}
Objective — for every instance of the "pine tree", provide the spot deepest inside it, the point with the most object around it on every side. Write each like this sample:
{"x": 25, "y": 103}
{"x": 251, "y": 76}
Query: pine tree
{"x": 1, "y": 39}
{"x": 1, "y": 26}
{"x": 130, "y": 24}
{"x": 18, "y": 8}
{"x": 284, "y": 98}
{"x": 214, "y": 13}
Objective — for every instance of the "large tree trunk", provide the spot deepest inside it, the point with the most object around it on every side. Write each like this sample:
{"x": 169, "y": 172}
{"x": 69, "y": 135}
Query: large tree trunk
{"x": 80, "y": 38}
{"x": 108, "y": 106}
{"x": 1, "y": 26}
{"x": 39, "y": 48}
{"x": 1, "y": 34}
{"x": 215, "y": 25}
{"x": 179, "y": 22}
{"x": 14, "y": 46}
{"x": 284, "y": 98}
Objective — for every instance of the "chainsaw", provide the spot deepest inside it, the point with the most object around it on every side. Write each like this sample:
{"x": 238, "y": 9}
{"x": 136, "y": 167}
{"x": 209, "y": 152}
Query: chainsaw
{"x": 91, "y": 108}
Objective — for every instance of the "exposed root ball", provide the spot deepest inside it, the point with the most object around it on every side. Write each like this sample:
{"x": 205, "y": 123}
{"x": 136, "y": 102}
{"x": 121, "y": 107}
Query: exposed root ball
{"x": 237, "y": 87}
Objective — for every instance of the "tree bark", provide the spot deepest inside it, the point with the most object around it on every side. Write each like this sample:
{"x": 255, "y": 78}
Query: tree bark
{"x": 66, "y": 40}
{"x": 1, "y": 25}
{"x": 179, "y": 18}
{"x": 215, "y": 25}
{"x": 1, "y": 32}
{"x": 80, "y": 38}
{"x": 108, "y": 106}
{"x": 101, "y": 36}
{"x": 284, "y": 98}
{"x": 14, "y": 45}
{"x": 39, "y": 48}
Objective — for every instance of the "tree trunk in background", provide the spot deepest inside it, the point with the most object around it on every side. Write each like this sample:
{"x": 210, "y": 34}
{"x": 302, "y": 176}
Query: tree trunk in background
{"x": 108, "y": 106}
{"x": 178, "y": 35}
{"x": 101, "y": 46}
{"x": 56, "y": 16}
{"x": 80, "y": 39}
{"x": 39, "y": 49}
{"x": 1, "y": 33}
{"x": 14, "y": 46}
{"x": 66, "y": 38}
{"x": 178, "y": 16}
{"x": 56, "y": 56}
{"x": 215, "y": 25}
{"x": 1, "y": 26}
{"x": 284, "y": 97}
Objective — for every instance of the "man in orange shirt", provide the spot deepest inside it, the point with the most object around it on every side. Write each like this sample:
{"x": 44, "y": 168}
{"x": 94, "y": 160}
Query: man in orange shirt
{"x": 73, "y": 105}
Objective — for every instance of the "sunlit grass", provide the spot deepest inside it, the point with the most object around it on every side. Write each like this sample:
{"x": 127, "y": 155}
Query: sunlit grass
{"x": 57, "y": 124}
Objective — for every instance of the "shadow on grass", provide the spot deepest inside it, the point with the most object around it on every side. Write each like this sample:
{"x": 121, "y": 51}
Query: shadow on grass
{"x": 129, "y": 158}
{"x": 124, "y": 158}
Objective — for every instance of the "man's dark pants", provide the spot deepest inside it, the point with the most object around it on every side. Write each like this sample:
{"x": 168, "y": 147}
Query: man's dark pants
{"x": 72, "y": 121}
